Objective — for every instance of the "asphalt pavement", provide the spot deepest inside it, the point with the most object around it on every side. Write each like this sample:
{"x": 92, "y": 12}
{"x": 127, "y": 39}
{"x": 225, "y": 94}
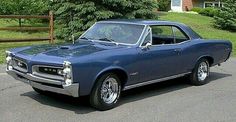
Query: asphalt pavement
{"x": 170, "y": 101}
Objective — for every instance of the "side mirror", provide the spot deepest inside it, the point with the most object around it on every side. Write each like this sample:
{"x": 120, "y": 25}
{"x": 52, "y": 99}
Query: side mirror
{"x": 149, "y": 44}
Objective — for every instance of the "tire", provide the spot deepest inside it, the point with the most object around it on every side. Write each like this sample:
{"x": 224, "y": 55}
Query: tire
{"x": 105, "y": 96}
{"x": 200, "y": 74}
{"x": 39, "y": 91}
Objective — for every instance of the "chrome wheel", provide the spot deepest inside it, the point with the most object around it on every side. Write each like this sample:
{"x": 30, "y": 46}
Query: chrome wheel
{"x": 109, "y": 90}
{"x": 202, "y": 71}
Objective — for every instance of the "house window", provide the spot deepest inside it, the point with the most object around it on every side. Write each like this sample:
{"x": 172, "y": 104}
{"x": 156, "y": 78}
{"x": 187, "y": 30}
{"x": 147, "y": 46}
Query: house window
{"x": 213, "y": 4}
{"x": 176, "y": 2}
{"x": 208, "y": 4}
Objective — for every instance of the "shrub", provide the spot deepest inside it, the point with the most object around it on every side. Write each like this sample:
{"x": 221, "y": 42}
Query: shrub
{"x": 209, "y": 11}
{"x": 76, "y": 16}
{"x": 164, "y": 5}
{"x": 226, "y": 17}
{"x": 196, "y": 9}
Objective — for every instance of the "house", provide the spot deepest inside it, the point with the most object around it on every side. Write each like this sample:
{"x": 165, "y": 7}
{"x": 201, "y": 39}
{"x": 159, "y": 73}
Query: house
{"x": 186, "y": 5}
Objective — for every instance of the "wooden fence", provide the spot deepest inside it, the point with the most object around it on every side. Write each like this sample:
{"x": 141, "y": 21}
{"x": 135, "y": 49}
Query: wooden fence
{"x": 50, "y": 28}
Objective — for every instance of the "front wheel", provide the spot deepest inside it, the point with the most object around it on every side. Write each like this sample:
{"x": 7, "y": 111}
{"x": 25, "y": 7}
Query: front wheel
{"x": 106, "y": 92}
{"x": 39, "y": 91}
{"x": 200, "y": 73}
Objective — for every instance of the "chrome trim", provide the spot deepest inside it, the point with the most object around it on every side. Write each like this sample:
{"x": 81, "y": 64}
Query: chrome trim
{"x": 167, "y": 44}
{"x": 45, "y": 75}
{"x": 8, "y": 53}
{"x": 147, "y": 31}
{"x": 110, "y": 90}
{"x": 154, "y": 81}
{"x": 16, "y": 74}
{"x": 120, "y": 22}
{"x": 71, "y": 90}
{"x": 66, "y": 64}
{"x": 203, "y": 71}
{"x": 15, "y": 66}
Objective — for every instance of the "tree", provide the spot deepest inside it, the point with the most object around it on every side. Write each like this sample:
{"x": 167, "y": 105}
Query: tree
{"x": 75, "y": 16}
{"x": 24, "y": 7}
{"x": 226, "y": 16}
{"x": 164, "y": 5}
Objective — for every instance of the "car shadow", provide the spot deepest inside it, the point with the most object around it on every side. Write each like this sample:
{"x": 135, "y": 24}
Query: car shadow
{"x": 163, "y": 87}
{"x": 81, "y": 105}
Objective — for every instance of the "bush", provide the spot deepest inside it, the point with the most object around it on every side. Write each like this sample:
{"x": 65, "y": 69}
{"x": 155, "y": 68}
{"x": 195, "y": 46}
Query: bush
{"x": 164, "y": 5}
{"x": 76, "y": 16}
{"x": 197, "y": 9}
{"x": 210, "y": 11}
{"x": 226, "y": 17}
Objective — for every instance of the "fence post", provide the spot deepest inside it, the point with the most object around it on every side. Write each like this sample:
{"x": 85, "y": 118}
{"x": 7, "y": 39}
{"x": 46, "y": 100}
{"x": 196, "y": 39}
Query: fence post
{"x": 51, "y": 26}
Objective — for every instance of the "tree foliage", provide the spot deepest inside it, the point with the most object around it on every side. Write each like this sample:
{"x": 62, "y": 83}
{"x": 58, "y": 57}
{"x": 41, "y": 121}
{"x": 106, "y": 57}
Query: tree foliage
{"x": 226, "y": 16}
{"x": 24, "y": 7}
{"x": 75, "y": 16}
{"x": 164, "y": 5}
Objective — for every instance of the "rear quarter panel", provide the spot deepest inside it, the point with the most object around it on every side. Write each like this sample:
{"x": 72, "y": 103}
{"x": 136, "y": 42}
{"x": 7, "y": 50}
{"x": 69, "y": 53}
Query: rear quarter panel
{"x": 219, "y": 50}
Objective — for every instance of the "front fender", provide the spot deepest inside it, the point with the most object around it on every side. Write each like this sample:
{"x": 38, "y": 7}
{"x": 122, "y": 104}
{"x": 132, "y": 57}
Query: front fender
{"x": 87, "y": 75}
{"x": 107, "y": 69}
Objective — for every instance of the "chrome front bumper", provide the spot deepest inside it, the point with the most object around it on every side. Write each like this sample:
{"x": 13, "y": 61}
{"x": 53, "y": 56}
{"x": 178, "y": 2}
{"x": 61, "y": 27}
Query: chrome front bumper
{"x": 39, "y": 83}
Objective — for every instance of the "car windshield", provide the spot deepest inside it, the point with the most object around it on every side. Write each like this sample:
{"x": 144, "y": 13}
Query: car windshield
{"x": 114, "y": 32}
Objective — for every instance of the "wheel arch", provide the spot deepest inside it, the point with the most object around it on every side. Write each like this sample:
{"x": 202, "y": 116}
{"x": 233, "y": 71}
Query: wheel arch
{"x": 208, "y": 57}
{"x": 120, "y": 72}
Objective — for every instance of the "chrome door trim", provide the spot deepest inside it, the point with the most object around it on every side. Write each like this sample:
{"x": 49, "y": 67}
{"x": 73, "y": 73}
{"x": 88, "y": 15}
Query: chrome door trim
{"x": 154, "y": 81}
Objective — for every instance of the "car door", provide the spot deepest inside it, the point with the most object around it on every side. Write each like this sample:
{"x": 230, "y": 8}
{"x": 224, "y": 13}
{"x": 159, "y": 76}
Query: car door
{"x": 163, "y": 57}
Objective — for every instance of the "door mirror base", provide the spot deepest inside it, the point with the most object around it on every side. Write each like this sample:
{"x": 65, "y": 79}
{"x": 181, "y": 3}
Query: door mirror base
{"x": 147, "y": 46}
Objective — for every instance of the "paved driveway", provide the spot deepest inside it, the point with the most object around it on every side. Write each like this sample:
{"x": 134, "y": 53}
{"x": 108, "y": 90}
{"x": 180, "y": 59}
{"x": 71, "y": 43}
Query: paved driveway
{"x": 172, "y": 101}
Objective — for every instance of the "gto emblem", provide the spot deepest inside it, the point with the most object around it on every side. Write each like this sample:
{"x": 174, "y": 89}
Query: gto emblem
{"x": 20, "y": 64}
{"x": 50, "y": 70}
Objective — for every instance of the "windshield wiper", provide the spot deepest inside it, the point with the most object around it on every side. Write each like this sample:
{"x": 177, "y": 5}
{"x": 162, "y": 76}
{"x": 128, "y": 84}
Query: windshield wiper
{"x": 84, "y": 38}
{"x": 106, "y": 39}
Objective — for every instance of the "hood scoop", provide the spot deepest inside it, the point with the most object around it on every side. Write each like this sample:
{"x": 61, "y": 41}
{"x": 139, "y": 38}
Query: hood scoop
{"x": 64, "y": 47}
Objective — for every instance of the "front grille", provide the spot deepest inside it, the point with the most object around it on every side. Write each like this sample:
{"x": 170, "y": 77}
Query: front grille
{"x": 19, "y": 65}
{"x": 50, "y": 72}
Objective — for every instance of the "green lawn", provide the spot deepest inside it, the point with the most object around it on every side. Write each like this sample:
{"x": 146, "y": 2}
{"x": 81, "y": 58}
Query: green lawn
{"x": 202, "y": 25}
{"x": 18, "y": 34}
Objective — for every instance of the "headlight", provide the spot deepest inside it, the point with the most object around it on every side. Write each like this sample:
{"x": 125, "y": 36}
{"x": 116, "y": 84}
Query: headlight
{"x": 67, "y": 72}
{"x": 9, "y": 60}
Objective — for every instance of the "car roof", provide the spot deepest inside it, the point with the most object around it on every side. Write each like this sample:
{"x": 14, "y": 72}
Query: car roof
{"x": 192, "y": 34}
{"x": 140, "y": 21}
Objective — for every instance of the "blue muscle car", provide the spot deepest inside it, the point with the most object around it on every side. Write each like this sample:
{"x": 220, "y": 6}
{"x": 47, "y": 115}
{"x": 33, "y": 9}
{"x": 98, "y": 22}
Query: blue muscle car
{"x": 117, "y": 55}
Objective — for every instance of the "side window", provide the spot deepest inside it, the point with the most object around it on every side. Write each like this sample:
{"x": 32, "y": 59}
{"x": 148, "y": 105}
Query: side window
{"x": 179, "y": 35}
{"x": 162, "y": 35}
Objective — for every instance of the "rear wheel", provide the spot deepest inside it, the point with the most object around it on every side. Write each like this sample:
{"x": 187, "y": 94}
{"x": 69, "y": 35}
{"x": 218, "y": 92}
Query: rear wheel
{"x": 200, "y": 73}
{"x": 106, "y": 92}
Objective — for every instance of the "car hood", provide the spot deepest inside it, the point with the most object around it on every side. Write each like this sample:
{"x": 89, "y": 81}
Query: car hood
{"x": 68, "y": 50}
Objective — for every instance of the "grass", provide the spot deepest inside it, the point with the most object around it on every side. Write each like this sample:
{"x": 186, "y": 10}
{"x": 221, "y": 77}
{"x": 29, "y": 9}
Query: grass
{"x": 18, "y": 34}
{"x": 202, "y": 25}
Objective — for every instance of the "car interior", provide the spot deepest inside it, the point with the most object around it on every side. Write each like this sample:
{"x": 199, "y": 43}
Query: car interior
{"x": 167, "y": 35}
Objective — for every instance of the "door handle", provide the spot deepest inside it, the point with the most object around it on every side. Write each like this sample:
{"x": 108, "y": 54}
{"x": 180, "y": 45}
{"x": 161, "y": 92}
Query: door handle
{"x": 178, "y": 51}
